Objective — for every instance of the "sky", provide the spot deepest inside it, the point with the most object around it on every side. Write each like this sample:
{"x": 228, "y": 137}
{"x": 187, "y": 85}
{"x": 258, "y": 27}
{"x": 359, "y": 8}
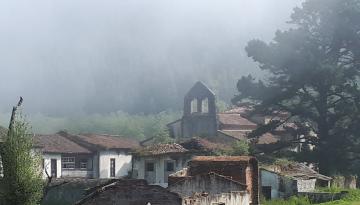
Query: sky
{"x": 74, "y": 56}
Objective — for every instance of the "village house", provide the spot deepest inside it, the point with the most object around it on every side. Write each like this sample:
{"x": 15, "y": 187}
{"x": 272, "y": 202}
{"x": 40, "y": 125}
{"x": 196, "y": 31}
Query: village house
{"x": 230, "y": 180}
{"x": 155, "y": 163}
{"x": 288, "y": 179}
{"x": 85, "y": 156}
{"x": 129, "y": 192}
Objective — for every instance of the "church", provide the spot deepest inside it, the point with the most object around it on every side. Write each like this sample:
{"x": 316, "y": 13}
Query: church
{"x": 201, "y": 119}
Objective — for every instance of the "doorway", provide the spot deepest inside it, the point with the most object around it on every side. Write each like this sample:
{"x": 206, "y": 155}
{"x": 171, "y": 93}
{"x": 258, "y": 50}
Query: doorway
{"x": 150, "y": 172}
{"x": 53, "y": 168}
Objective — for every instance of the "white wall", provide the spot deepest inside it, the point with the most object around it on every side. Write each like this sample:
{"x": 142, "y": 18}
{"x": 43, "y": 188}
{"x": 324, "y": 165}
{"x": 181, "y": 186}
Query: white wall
{"x": 306, "y": 185}
{"x": 122, "y": 163}
{"x": 139, "y": 167}
{"x": 47, "y": 164}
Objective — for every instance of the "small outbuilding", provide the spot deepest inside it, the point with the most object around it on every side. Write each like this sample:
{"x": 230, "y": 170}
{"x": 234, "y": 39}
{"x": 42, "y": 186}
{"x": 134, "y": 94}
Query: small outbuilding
{"x": 287, "y": 179}
{"x": 155, "y": 163}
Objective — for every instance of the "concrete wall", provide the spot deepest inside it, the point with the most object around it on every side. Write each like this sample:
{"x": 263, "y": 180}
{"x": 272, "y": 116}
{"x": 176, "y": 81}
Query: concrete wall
{"x": 232, "y": 198}
{"x": 122, "y": 163}
{"x": 281, "y": 187}
{"x": 159, "y": 161}
{"x": 47, "y": 164}
{"x": 76, "y": 173}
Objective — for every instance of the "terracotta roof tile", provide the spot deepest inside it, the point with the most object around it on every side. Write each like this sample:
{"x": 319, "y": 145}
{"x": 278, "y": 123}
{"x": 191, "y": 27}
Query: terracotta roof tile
{"x": 159, "y": 149}
{"x": 103, "y": 141}
{"x": 58, "y": 144}
{"x": 295, "y": 170}
{"x": 235, "y": 121}
{"x": 221, "y": 158}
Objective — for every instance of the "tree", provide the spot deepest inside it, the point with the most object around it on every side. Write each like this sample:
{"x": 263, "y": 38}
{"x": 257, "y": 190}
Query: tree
{"x": 22, "y": 177}
{"x": 241, "y": 147}
{"x": 313, "y": 75}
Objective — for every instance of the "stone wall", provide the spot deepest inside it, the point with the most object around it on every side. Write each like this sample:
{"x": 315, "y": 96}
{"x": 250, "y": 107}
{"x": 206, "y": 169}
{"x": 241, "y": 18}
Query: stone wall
{"x": 345, "y": 182}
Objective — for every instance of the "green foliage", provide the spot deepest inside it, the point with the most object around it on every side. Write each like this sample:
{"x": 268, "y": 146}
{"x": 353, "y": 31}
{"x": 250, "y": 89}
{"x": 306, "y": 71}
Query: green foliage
{"x": 314, "y": 73}
{"x": 291, "y": 201}
{"x": 352, "y": 198}
{"x": 22, "y": 181}
{"x": 240, "y": 147}
{"x": 135, "y": 126}
{"x": 221, "y": 106}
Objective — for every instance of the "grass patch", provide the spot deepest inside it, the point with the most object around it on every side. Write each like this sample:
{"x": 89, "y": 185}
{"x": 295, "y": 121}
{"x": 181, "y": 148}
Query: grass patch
{"x": 352, "y": 198}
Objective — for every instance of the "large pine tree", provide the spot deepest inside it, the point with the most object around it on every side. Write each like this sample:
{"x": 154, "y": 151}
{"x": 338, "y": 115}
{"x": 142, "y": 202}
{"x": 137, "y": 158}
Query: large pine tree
{"x": 313, "y": 74}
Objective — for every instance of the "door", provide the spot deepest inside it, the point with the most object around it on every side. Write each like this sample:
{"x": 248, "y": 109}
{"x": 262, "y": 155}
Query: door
{"x": 169, "y": 169}
{"x": 150, "y": 172}
{"x": 112, "y": 167}
{"x": 266, "y": 192}
{"x": 53, "y": 168}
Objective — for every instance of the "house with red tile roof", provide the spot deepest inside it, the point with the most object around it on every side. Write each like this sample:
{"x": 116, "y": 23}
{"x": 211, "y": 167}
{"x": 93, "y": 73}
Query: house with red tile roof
{"x": 85, "y": 155}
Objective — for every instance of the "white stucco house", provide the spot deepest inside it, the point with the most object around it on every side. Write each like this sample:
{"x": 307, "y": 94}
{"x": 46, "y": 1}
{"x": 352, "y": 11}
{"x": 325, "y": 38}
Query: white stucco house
{"x": 155, "y": 163}
{"x": 86, "y": 155}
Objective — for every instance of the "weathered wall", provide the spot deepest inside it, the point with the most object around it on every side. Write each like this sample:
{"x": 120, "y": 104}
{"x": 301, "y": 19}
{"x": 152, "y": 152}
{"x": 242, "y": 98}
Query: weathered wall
{"x": 47, "y": 164}
{"x": 210, "y": 183}
{"x": 132, "y": 192}
{"x": 159, "y": 161}
{"x": 199, "y": 125}
{"x": 122, "y": 163}
{"x": 281, "y": 187}
{"x": 232, "y": 198}
{"x": 306, "y": 185}
{"x": 77, "y": 173}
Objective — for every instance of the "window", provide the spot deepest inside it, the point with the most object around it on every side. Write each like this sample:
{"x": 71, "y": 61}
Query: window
{"x": 112, "y": 167}
{"x": 83, "y": 164}
{"x": 170, "y": 166}
{"x": 194, "y": 106}
{"x": 205, "y": 105}
{"x": 68, "y": 162}
{"x": 149, "y": 167}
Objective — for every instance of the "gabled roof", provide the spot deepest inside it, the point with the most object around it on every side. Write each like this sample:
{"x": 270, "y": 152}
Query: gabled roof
{"x": 235, "y": 121}
{"x": 221, "y": 158}
{"x": 56, "y": 143}
{"x": 295, "y": 170}
{"x": 159, "y": 149}
{"x": 103, "y": 141}
{"x": 266, "y": 138}
{"x": 199, "y": 87}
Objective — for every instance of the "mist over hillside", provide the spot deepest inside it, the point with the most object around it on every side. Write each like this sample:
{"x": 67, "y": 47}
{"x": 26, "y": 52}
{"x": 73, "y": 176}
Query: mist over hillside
{"x": 89, "y": 56}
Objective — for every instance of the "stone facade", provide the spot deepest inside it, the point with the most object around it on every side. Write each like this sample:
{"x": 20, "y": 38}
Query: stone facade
{"x": 199, "y": 117}
{"x": 241, "y": 170}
